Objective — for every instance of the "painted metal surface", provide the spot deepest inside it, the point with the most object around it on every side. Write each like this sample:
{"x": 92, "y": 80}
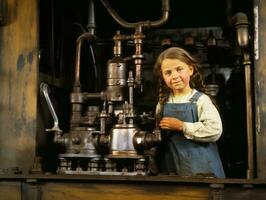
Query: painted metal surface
{"x": 18, "y": 85}
{"x": 260, "y": 86}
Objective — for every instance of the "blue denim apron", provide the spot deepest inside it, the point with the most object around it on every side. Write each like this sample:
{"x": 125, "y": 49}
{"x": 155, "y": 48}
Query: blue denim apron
{"x": 187, "y": 157}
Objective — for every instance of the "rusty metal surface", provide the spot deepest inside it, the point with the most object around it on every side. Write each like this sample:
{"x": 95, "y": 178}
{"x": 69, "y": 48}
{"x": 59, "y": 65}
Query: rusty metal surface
{"x": 18, "y": 77}
{"x": 260, "y": 87}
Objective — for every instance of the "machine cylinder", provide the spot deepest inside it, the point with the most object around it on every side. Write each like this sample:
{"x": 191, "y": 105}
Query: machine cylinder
{"x": 122, "y": 140}
{"x": 116, "y": 79}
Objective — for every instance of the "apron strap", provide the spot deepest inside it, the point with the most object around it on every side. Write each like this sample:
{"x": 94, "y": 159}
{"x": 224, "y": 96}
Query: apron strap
{"x": 195, "y": 97}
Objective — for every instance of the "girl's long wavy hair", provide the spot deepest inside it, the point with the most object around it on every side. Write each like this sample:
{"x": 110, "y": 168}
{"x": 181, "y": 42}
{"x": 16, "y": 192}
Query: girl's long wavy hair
{"x": 196, "y": 80}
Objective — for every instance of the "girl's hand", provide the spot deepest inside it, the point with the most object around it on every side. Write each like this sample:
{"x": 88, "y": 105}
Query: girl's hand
{"x": 171, "y": 123}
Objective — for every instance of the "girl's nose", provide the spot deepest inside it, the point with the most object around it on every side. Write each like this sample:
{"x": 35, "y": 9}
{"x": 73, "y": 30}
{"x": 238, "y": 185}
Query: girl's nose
{"x": 175, "y": 74}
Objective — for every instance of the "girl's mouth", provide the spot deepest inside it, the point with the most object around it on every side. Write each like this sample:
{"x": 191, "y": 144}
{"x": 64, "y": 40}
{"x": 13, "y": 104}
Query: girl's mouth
{"x": 176, "y": 83}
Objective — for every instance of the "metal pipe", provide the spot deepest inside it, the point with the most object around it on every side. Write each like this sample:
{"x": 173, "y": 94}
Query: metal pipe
{"x": 91, "y": 29}
{"x": 123, "y": 23}
{"x": 240, "y": 21}
{"x": 91, "y": 18}
{"x": 138, "y": 38}
{"x": 103, "y": 116}
{"x": 249, "y": 116}
{"x": 131, "y": 87}
{"x": 80, "y": 39}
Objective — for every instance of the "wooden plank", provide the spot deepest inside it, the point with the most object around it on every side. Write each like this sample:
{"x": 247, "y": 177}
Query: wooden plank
{"x": 18, "y": 87}
{"x": 260, "y": 88}
{"x": 110, "y": 191}
{"x": 10, "y": 191}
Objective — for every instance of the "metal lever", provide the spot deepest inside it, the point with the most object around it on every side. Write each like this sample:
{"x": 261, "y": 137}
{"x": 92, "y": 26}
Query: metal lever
{"x": 44, "y": 89}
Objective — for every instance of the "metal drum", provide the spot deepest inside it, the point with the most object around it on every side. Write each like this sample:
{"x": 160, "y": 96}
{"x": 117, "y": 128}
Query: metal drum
{"x": 121, "y": 144}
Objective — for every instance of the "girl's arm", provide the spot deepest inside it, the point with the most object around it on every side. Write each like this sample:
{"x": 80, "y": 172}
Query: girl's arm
{"x": 209, "y": 127}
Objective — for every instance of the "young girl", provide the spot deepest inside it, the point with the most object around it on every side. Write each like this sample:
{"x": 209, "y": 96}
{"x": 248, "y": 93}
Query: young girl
{"x": 191, "y": 120}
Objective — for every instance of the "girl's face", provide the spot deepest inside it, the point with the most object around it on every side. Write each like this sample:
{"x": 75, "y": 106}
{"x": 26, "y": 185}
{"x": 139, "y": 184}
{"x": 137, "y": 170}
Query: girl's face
{"x": 176, "y": 75}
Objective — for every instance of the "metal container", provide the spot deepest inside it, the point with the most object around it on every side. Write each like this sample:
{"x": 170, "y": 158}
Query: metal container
{"x": 121, "y": 144}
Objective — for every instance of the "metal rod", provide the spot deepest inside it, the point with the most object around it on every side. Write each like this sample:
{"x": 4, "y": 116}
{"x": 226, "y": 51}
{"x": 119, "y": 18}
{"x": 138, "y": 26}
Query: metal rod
{"x": 44, "y": 89}
{"x": 130, "y": 86}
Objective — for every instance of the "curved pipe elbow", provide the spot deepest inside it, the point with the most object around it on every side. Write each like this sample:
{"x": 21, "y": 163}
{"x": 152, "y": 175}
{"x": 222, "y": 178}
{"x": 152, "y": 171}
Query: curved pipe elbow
{"x": 123, "y": 23}
{"x": 89, "y": 37}
{"x": 165, "y": 14}
{"x": 162, "y": 21}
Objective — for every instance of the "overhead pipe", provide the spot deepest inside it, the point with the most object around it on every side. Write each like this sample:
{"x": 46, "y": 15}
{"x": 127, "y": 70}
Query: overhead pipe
{"x": 123, "y": 23}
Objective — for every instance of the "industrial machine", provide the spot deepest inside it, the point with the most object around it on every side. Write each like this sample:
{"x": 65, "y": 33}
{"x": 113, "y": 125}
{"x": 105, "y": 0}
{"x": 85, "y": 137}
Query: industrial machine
{"x": 108, "y": 134}
{"x": 78, "y": 116}
{"x": 106, "y": 139}
{"x": 78, "y": 96}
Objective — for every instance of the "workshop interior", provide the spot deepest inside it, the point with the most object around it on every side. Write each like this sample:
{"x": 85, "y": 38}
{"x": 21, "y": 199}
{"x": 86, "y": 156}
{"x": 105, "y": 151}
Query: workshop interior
{"x": 96, "y": 90}
{"x": 98, "y": 93}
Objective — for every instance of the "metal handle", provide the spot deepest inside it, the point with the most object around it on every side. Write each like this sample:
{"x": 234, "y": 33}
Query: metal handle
{"x": 44, "y": 89}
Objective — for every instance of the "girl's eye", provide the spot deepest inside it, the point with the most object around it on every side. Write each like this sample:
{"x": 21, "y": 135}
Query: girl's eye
{"x": 167, "y": 72}
{"x": 179, "y": 69}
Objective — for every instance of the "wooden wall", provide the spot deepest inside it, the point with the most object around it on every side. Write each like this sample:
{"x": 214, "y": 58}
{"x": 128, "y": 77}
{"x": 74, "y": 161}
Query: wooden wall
{"x": 18, "y": 84}
{"x": 260, "y": 86}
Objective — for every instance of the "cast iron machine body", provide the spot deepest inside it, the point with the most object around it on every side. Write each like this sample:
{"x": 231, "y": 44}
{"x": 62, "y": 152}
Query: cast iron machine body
{"x": 104, "y": 139}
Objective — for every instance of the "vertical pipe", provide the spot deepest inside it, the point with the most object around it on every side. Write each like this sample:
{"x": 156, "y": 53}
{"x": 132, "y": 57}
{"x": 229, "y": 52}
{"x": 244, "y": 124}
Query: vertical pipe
{"x": 138, "y": 57}
{"x": 241, "y": 23}
{"x": 249, "y": 116}
{"x": 91, "y": 18}
{"x": 77, "y": 63}
{"x": 131, "y": 89}
{"x": 80, "y": 40}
